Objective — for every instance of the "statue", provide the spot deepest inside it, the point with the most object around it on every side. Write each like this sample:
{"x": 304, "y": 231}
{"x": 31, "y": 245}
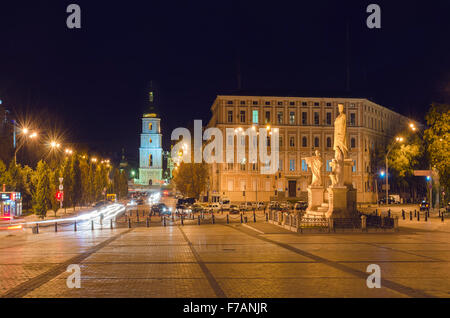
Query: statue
{"x": 336, "y": 173}
{"x": 315, "y": 163}
{"x": 340, "y": 146}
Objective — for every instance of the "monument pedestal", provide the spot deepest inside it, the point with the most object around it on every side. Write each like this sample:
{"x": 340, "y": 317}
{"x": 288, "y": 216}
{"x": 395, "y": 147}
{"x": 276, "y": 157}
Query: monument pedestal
{"x": 316, "y": 206}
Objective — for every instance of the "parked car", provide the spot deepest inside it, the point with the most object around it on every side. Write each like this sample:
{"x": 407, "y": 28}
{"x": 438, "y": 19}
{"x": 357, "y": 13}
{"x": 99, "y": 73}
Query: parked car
{"x": 234, "y": 209}
{"x": 260, "y": 205}
{"x": 246, "y": 206}
{"x": 160, "y": 208}
{"x": 424, "y": 206}
{"x": 213, "y": 207}
{"x": 225, "y": 204}
{"x": 197, "y": 207}
{"x": 300, "y": 206}
{"x": 273, "y": 205}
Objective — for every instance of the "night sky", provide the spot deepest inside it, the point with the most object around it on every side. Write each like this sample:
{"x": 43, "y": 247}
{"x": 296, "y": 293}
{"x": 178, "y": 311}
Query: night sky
{"x": 91, "y": 83}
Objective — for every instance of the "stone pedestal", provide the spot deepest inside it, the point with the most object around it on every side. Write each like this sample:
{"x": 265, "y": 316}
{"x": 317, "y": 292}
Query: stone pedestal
{"x": 337, "y": 202}
{"x": 315, "y": 202}
{"x": 348, "y": 166}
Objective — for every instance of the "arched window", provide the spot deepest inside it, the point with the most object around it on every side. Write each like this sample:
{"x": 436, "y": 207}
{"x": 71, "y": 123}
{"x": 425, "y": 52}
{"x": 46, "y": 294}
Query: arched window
{"x": 150, "y": 160}
{"x": 150, "y": 126}
{"x": 304, "y": 142}
{"x": 328, "y": 142}
{"x": 353, "y": 143}
{"x": 316, "y": 142}
{"x": 150, "y": 140}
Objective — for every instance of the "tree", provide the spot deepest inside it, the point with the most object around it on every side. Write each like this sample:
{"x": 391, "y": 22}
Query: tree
{"x": 67, "y": 183}
{"x": 85, "y": 181}
{"x": 42, "y": 196}
{"x": 437, "y": 137}
{"x": 76, "y": 183}
{"x": 123, "y": 180}
{"x": 191, "y": 179}
{"x": 116, "y": 182}
{"x": 3, "y": 177}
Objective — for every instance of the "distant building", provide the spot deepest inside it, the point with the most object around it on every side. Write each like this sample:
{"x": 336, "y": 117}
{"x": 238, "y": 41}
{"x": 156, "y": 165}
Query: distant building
{"x": 305, "y": 124}
{"x": 168, "y": 166}
{"x": 150, "y": 151}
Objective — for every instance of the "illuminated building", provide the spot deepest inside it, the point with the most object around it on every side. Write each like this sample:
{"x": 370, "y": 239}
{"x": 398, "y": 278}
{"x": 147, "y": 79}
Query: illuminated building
{"x": 305, "y": 124}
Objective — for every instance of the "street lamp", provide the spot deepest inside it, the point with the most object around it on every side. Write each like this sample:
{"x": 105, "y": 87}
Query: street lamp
{"x": 397, "y": 139}
{"x": 25, "y": 132}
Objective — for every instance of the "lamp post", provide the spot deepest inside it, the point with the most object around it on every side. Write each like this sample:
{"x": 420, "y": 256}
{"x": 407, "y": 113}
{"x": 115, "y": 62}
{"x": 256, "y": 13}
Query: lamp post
{"x": 397, "y": 139}
{"x": 26, "y": 134}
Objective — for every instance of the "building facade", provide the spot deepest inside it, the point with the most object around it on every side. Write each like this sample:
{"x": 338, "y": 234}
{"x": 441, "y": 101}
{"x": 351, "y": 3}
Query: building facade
{"x": 305, "y": 124}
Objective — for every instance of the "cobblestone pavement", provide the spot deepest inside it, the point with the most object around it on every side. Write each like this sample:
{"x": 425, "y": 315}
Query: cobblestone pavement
{"x": 220, "y": 260}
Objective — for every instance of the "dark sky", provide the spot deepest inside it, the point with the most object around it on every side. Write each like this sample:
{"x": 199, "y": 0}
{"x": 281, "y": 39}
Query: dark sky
{"x": 92, "y": 81}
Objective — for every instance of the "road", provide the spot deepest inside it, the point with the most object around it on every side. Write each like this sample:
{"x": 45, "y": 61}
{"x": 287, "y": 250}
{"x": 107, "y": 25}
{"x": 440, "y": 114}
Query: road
{"x": 226, "y": 260}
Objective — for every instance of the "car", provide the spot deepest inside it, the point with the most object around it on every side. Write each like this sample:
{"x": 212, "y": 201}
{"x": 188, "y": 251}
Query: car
{"x": 225, "y": 204}
{"x": 213, "y": 207}
{"x": 246, "y": 206}
{"x": 161, "y": 209}
{"x": 234, "y": 209}
{"x": 196, "y": 207}
{"x": 260, "y": 205}
{"x": 300, "y": 206}
{"x": 140, "y": 201}
{"x": 424, "y": 206}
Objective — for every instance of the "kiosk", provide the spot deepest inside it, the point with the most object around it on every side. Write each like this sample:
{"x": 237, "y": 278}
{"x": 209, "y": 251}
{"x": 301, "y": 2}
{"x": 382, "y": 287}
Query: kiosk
{"x": 10, "y": 205}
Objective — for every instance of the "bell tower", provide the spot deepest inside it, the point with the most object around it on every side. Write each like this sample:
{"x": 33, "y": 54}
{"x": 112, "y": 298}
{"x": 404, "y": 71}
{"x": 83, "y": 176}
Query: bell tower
{"x": 150, "y": 151}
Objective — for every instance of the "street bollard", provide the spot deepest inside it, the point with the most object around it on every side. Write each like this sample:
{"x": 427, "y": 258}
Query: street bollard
{"x": 147, "y": 223}
{"x": 37, "y": 228}
{"x": 198, "y": 218}
{"x": 110, "y": 224}
{"x": 164, "y": 220}
{"x": 245, "y": 219}
{"x": 182, "y": 219}
{"x": 172, "y": 218}
{"x": 389, "y": 213}
{"x": 212, "y": 217}
{"x": 267, "y": 217}
{"x": 254, "y": 217}
{"x": 415, "y": 213}
{"x": 143, "y": 212}
{"x": 410, "y": 215}
{"x": 228, "y": 219}
{"x": 418, "y": 216}
{"x": 426, "y": 217}
{"x": 92, "y": 225}
{"x": 137, "y": 217}
{"x": 403, "y": 214}
{"x": 129, "y": 223}
{"x": 75, "y": 226}
{"x": 242, "y": 220}
{"x": 56, "y": 226}
{"x": 442, "y": 216}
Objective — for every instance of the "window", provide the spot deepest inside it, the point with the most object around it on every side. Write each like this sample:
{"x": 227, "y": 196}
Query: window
{"x": 304, "y": 142}
{"x": 329, "y": 104}
{"x": 328, "y": 142}
{"x": 268, "y": 103}
{"x": 292, "y": 165}
{"x": 255, "y": 116}
{"x": 229, "y": 102}
{"x": 328, "y": 118}
{"x": 254, "y": 166}
{"x": 229, "y": 166}
{"x": 304, "y": 118}
{"x": 292, "y": 103}
{"x": 281, "y": 141}
{"x": 316, "y": 118}
{"x": 304, "y": 104}
{"x": 353, "y": 143}
{"x": 267, "y": 118}
{"x": 230, "y": 116}
{"x": 150, "y": 160}
{"x": 316, "y": 142}
{"x": 242, "y": 102}
{"x": 280, "y": 118}
{"x": 268, "y": 141}
{"x": 328, "y": 166}
{"x": 292, "y": 141}
{"x": 280, "y": 103}
{"x": 280, "y": 165}
{"x": 255, "y": 141}
{"x": 255, "y": 102}
{"x": 354, "y": 166}
{"x": 292, "y": 118}
{"x": 352, "y": 119}
{"x": 230, "y": 140}
{"x": 243, "y": 140}
{"x": 316, "y": 103}
{"x": 150, "y": 140}
{"x": 242, "y": 117}
{"x": 242, "y": 165}
{"x": 304, "y": 165}
{"x": 150, "y": 126}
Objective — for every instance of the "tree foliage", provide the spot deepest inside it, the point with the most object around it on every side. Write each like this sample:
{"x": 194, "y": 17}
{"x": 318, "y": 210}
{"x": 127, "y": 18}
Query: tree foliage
{"x": 42, "y": 198}
{"x": 191, "y": 178}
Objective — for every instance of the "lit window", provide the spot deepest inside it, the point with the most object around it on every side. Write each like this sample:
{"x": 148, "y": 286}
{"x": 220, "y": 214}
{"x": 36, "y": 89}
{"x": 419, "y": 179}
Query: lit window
{"x": 280, "y": 118}
{"x": 304, "y": 118}
{"x": 292, "y": 165}
{"x": 150, "y": 160}
{"x": 304, "y": 142}
{"x": 328, "y": 165}
{"x": 353, "y": 143}
{"x": 267, "y": 118}
{"x": 304, "y": 165}
{"x": 316, "y": 118}
{"x": 292, "y": 141}
{"x": 150, "y": 140}
{"x": 150, "y": 126}
{"x": 328, "y": 118}
{"x": 354, "y": 166}
{"x": 242, "y": 116}
{"x": 328, "y": 142}
{"x": 230, "y": 116}
{"x": 292, "y": 118}
{"x": 316, "y": 142}
{"x": 255, "y": 116}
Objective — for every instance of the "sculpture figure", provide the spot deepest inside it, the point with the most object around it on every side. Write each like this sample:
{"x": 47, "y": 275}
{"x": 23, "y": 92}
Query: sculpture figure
{"x": 340, "y": 146}
{"x": 315, "y": 163}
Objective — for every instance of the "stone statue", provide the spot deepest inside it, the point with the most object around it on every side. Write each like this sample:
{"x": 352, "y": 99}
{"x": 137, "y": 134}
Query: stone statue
{"x": 315, "y": 163}
{"x": 336, "y": 173}
{"x": 340, "y": 146}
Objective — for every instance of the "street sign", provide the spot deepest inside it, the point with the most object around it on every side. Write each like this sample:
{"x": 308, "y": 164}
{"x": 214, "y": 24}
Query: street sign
{"x": 61, "y": 187}
{"x": 61, "y": 180}
{"x": 58, "y": 195}
{"x": 422, "y": 173}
